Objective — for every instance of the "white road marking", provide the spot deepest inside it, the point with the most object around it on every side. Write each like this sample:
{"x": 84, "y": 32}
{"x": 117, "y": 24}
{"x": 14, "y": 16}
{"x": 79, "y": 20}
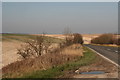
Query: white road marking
{"x": 105, "y": 57}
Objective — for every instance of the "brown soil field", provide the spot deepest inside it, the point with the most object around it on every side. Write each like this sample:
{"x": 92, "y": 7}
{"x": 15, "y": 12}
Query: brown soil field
{"x": 9, "y": 50}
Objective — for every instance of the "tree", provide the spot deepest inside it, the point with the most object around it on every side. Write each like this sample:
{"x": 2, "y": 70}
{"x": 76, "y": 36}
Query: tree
{"x": 67, "y": 31}
{"x": 77, "y": 38}
{"x": 68, "y": 36}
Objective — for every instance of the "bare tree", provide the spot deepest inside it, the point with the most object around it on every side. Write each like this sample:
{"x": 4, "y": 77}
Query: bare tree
{"x": 68, "y": 36}
{"x": 67, "y": 31}
{"x": 35, "y": 47}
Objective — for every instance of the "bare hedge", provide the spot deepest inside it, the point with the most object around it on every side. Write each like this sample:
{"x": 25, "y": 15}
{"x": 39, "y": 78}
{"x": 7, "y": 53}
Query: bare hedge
{"x": 117, "y": 41}
{"x": 104, "y": 39}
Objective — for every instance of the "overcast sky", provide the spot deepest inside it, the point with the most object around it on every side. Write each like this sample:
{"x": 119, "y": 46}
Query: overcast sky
{"x": 53, "y": 17}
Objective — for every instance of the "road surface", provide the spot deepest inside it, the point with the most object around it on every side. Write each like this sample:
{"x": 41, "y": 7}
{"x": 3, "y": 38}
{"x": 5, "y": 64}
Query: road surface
{"x": 107, "y": 51}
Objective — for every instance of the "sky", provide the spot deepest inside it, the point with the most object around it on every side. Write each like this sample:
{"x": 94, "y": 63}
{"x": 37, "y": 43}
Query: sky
{"x": 59, "y": 0}
{"x": 54, "y": 17}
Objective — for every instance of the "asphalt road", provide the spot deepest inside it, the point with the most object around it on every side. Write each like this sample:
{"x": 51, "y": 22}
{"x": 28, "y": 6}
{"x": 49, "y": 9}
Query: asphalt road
{"x": 107, "y": 51}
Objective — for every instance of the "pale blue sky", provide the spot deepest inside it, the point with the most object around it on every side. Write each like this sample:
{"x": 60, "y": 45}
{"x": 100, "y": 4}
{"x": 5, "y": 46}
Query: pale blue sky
{"x": 60, "y": 0}
{"x": 51, "y": 17}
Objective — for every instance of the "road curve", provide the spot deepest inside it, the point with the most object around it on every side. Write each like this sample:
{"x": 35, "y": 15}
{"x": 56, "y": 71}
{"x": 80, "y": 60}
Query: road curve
{"x": 107, "y": 51}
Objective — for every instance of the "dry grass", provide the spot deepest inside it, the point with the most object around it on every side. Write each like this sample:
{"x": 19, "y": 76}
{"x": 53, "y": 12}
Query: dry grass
{"x": 112, "y": 45}
{"x": 75, "y": 49}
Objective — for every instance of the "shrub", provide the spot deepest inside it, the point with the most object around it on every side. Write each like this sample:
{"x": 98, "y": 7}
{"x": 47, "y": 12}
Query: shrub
{"x": 118, "y": 43}
{"x": 69, "y": 40}
{"x": 73, "y": 39}
{"x": 104, "y": 39}
{"x": 77, "y": 38}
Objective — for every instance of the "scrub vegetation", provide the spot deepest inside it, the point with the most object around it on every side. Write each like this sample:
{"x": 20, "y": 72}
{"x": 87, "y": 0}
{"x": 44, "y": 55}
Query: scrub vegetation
{"x": 106, "y": 39}
{"x": 28, "y": 69}
{"x": 39, "y": 53}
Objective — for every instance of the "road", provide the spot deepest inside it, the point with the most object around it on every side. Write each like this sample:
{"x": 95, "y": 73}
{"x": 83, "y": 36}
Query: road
{"x": 107, "y": 51}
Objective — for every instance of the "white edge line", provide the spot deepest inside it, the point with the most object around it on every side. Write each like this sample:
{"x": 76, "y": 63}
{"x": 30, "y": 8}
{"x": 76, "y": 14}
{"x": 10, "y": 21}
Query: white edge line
{"x": 105, "y": 57}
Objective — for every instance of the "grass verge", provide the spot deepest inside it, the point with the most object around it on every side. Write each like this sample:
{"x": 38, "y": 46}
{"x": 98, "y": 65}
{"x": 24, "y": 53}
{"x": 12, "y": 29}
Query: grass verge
{"x": 88, "y": 58}
{"x": 109, "y": 45}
